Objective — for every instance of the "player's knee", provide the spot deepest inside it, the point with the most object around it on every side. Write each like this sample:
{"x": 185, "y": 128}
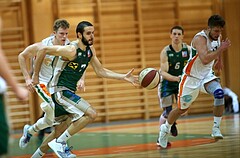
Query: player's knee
{"x": 218, "y": 94}
{"x": 166, "y": 111}
{"x": 180, "y": 111}
{"x": 94, "y": 115}
{"x": 164, "y": 114}
{"x": 91, "y": 113}
{"x": 218, "y": 97}
{"x": 49, "y": 122}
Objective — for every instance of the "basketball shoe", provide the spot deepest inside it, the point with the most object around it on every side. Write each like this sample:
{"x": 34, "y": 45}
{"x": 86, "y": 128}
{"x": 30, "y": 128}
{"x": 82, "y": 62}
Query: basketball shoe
{"x": 216, "y": 133}
{"x": 69, "y": 153}
{"x": 163, "y": 136}
{"x": 23, "y": 142}
{"x": 61, "y": 149}
{"x": 174, "y": 131}
{"x": 168, "y": 143}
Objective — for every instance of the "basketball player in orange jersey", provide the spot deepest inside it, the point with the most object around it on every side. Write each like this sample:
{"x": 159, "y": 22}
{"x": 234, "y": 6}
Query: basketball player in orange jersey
{"x": 173, "y": 58}
{"x": 198, "y": 76}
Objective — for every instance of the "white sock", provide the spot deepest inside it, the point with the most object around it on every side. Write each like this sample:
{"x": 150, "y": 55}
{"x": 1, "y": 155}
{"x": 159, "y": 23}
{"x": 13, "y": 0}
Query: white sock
{"x": 38, "y": 154}
{"x": 168, "y": 125}
{"x": 64, "y": 137}
{"x": 217, "y": 121}
{"x": 162, "y": 120}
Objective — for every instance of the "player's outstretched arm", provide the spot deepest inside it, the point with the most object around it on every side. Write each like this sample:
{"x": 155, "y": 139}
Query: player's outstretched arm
{"x": 106, "y": 73}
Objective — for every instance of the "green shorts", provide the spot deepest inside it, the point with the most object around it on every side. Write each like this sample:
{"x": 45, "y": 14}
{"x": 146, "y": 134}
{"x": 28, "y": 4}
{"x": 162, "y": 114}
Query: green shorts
{"x": 68, "y": 103}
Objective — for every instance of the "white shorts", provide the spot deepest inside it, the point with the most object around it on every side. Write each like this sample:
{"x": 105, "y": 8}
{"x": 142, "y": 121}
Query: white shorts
{"x": 43, "y": 93}
{"x": 47, "y": 106}
{"x": 189, "y": 89}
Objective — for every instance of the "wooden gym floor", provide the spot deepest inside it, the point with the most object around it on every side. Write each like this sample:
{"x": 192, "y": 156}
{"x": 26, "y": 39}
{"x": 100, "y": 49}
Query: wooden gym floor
{"x": 137, "y": 139}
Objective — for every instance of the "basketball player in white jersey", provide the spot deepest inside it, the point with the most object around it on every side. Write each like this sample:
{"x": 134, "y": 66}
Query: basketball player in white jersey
{"x": 59, "y": 37}
{"x": 198, "y": 76}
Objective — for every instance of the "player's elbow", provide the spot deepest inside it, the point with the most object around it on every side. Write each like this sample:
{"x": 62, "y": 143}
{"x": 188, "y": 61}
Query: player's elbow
{"x": 20, "y": 57}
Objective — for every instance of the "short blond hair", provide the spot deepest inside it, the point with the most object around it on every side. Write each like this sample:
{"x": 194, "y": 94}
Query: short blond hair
{"x": 60, "y": 23}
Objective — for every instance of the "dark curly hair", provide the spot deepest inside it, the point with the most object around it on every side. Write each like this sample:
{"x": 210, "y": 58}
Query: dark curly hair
{"x": 81, "y": 26}
{"x": 216, "y": 21}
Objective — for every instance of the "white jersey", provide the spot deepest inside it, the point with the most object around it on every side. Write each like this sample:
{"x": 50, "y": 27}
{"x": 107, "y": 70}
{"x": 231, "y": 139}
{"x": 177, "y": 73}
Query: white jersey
{"x": 195, "y": 67}
{"x": 46, "y": 71}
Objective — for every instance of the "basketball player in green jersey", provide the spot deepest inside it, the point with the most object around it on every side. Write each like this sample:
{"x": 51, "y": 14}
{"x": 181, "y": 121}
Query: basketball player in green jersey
{"x": 173, "y": 58}
{"x": 69, "y": 67}
{"x": 20, "y": 92}
{"x": 59, "y": 36}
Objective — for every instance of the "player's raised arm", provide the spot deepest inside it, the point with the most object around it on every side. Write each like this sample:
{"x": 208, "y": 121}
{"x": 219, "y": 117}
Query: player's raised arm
{"x": 206, "y": 56}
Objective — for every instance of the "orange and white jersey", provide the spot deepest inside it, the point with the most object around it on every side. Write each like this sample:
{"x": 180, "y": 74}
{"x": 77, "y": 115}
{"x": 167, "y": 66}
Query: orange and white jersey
{"x": 195, "y": 67}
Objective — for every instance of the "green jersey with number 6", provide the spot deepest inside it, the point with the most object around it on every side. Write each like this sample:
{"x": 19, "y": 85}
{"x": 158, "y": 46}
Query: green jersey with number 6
{"x": 176, "y": 61}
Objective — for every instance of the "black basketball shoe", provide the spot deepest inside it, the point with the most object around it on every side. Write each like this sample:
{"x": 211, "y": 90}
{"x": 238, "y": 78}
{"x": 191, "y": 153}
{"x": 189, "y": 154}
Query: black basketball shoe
{"x": 174, "y": 131}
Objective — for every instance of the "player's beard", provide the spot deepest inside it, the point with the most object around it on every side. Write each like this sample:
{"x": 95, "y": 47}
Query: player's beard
{"x": 212, "y": 38}
{"x": 85, "y": 42}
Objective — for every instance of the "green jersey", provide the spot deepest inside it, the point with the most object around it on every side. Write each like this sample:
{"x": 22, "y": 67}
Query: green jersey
{"x": 66, "y": 74}
{"x": 176, "y": 61}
